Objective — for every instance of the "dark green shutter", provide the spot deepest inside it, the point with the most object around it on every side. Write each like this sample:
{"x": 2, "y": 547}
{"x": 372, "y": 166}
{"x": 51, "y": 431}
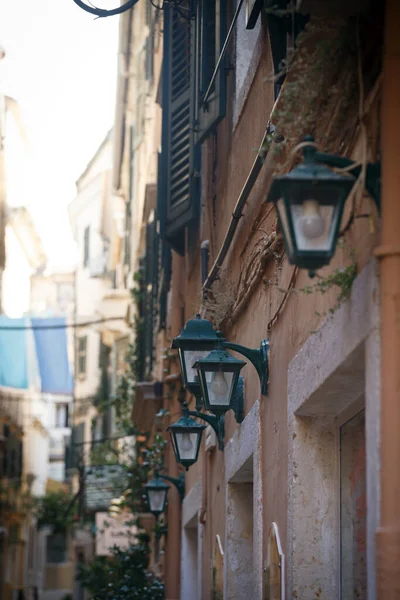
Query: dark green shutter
{"x": 106, "y": 425}
{"x": 149, "y": 56}
{"x": 128, "y": 209}
{"x": 210, "y": 38}
{"x": 180, "y": 159}
{"x": 165, "y": 257}
{"x": 151, "y": 287}
{"x": 19, "y": 459}
{"x": 139, "y": 340}
{"x": 67, "y": 456}
{"x": 74, "y": 456}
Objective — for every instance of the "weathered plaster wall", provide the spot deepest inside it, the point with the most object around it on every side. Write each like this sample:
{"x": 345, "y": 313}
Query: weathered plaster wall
{"x": 191, "y": 580}
{"x": 244, "y": 510}
{"x": 227, "y": 160}
{"x": 326, "y": 378}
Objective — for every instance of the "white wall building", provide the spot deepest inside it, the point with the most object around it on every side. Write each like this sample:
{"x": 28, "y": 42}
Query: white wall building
{"x": 24, "y": 256}
{"x": 95, "y": 216}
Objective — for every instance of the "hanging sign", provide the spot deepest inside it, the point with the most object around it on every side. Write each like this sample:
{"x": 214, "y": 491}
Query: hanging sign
{"x": 102, "y": 484}
{"x": 113, "y": 531}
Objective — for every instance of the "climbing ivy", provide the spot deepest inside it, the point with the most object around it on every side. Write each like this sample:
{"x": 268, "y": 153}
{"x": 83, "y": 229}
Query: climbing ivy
{"x": 55, "y": 509}
{"x": 341, "y": 278}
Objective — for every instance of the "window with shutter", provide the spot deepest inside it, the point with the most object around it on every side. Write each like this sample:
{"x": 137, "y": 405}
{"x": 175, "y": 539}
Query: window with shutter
{"x": 20, "y": 456}
{"x": 56, "y": 548}
{"x": 86, "y": 246}
{"x": 128, "y": 208}
{"x": 106, "y": 425}
{"x": 75, "y": 455}
{"x": 165, "y": 257}
{"x": 149, "y": 49}
{"x": 180, "y": 159}
{"x": 211, "y": 94}
{"x": 150, "y": 288}
{"x": 164, "y": 283}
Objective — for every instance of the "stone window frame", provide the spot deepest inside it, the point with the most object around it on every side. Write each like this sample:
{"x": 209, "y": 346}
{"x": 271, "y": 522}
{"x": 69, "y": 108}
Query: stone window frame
{"x": 323, "y": 371}
{"x": 244, "y": 446}
{"x": 191, "y": 508}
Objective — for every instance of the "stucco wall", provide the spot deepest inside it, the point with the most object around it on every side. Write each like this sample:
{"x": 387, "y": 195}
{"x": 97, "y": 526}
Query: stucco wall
{"x": 16, "y": 277}
{"x": 227, "y": 160}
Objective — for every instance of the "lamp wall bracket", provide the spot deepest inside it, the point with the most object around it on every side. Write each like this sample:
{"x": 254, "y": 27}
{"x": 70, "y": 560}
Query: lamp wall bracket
{"x": 238, "y": 400}
{"x": 178, "y": 482}
{"x": 372, "y": 176}
{"x": 217, "y": 423}
{"x": 259, "y": 358}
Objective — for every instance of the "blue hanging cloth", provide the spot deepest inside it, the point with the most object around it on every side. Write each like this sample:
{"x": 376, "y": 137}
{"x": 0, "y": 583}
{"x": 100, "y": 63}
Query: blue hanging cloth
{"x": 52, "y": 355}
{"x": 13, "y": 353}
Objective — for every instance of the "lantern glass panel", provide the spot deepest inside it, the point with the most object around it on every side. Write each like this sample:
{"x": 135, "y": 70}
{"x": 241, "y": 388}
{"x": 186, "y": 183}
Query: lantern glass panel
{"x": 157, "y": 500}
{"x": 188, "y": 359}
{"x": 219, "y": 387}
{"x": 312, "y": 224}
{"x": 187, "y": 444}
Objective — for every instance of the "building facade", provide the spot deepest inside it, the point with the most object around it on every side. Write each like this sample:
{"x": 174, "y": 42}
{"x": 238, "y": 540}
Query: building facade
{"x": 35, "y": 396}
{"x": 100, "y": 339}
{"x": 291, "y": 506}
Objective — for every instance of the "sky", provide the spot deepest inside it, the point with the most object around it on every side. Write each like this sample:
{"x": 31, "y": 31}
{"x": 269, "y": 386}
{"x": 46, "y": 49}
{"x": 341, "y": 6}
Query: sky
{"x": 61, "y": 68}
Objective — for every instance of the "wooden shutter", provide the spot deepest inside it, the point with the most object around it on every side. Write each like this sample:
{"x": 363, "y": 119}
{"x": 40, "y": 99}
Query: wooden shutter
{"x": 128, "y": 208}
{"x": 210, "y": 38}
{"x": 165, "y": 257}
{"x": 150, "y": 288}
{"x": 180, "y": 160}
{"x": 164, "y": 284}
{"x": 76, "y": 453}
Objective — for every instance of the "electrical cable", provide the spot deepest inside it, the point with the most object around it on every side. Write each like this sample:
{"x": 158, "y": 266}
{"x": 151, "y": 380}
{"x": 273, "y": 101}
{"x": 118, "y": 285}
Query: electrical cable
{"x": 65, "y": 326}
{"x": 102, "y": 12}
{"x": 238, "y": 210}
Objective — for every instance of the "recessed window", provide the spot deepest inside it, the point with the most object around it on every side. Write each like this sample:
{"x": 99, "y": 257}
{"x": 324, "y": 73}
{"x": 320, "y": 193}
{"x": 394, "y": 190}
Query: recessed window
{"x": 353, "y": 509}
{"x": 56, "y": 548}
{"x": 82, "y": 355}
{"x": 61, "y": 415}
{"x": 86, "y": 246}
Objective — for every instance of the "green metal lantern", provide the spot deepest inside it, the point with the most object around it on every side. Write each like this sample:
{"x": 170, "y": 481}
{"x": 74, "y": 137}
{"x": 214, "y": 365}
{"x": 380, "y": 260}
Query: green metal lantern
{"x": 219, "y": 377}
{"x": 186, "y": 436}
{"x": 195, "y": 341}
{"x": 310, "y": 201}
{"x": 157, "y": 491}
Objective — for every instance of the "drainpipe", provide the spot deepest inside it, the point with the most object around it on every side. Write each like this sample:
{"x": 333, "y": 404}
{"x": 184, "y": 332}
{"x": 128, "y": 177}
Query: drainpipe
{"x": 204, "y": 250}
{"x": 388, "y": 534}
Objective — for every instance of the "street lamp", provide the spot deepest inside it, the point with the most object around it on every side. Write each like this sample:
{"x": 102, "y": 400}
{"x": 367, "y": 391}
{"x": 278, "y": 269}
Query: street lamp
{"x": 310, "y": 201}
{"x": 219, "y": 379}
{"x": 186, "y": 435}
{"x": 157, "y": 491}
{"x": 198, "y": 339}
{"x": 195, "y": 341}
